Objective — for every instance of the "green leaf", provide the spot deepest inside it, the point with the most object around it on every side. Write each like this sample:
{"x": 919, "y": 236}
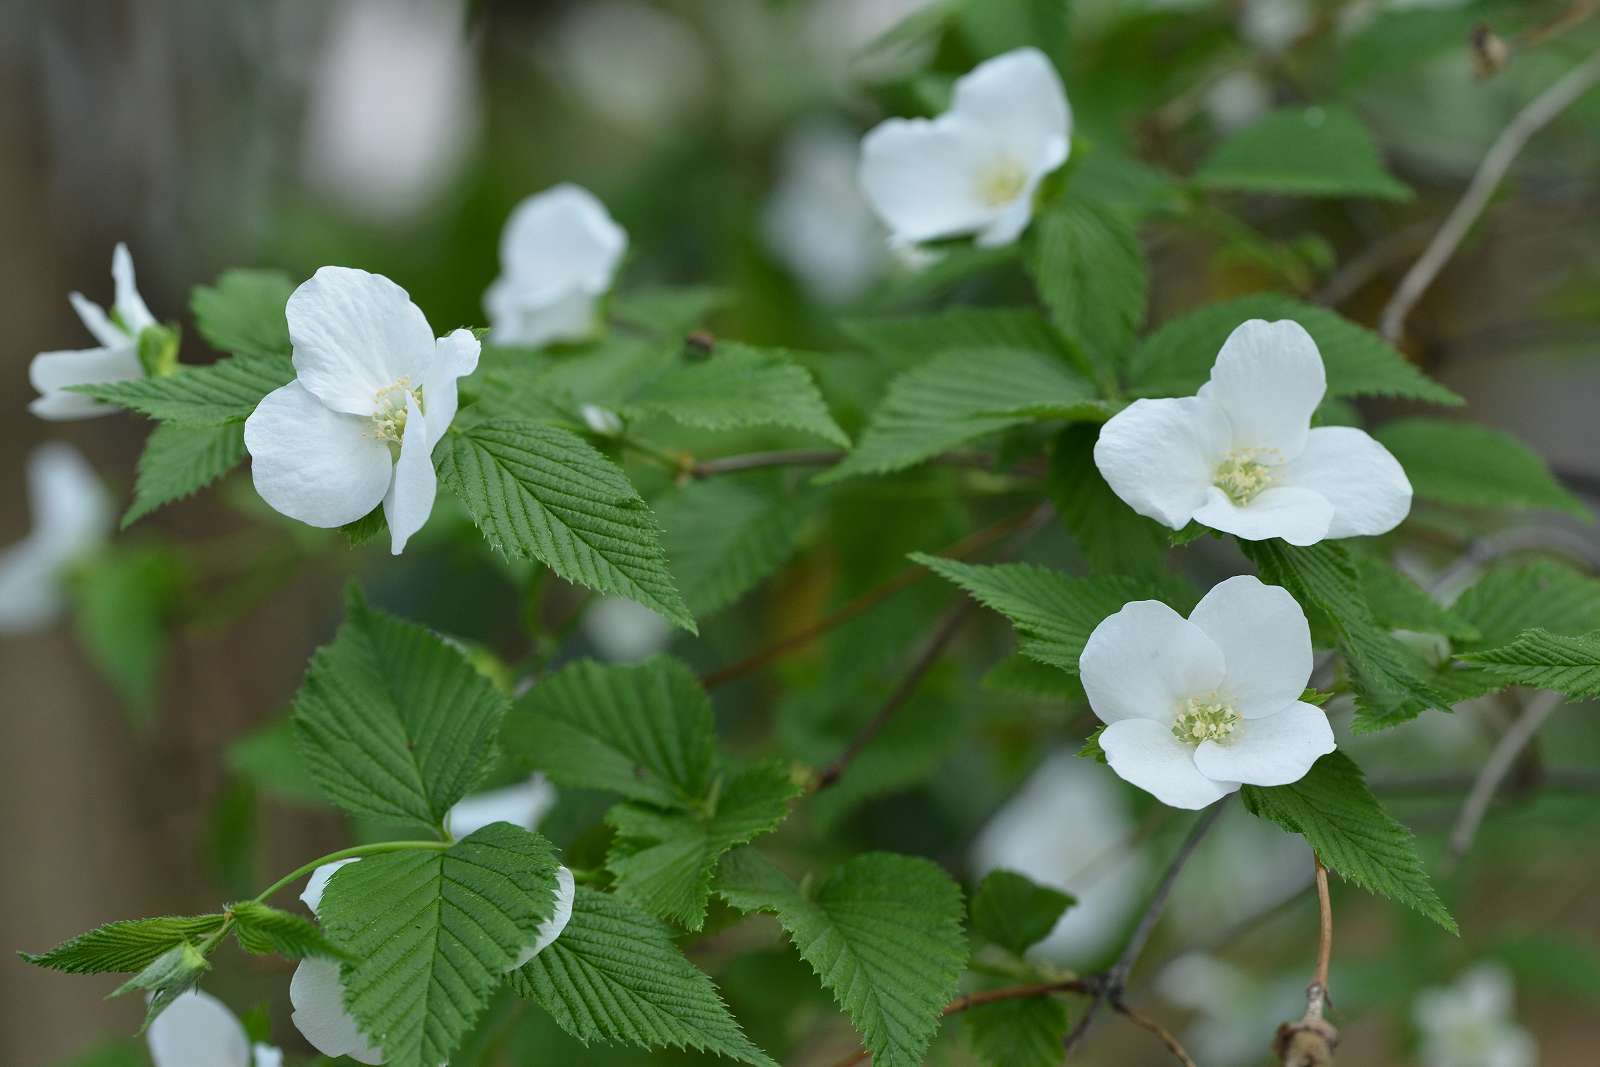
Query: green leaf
{"x": 124, "y": 604}
{"x": 433, "y": 933}
{"x": 1090, "y": 271}
{"x": 1176, "y": 359}
{"x": 1569, "y": 665}
{"x": 1512, "y": 597}
{"x": 998, "y": 26}
{"x": 179, "y": 461}
{"x": 1398, "y": 603}
{"x": 737, "y": 387}
{"x": 393, "y": 722}
{"x": 266, "y": 931}
{"x": 365, "y": 529}
{"x": 882, "y": 932}
{"x": 962, "y": 395}
{"x": 542, "y": 493}
{"x": 919, "y": 336}
{"x": 1022, "y": 1032}
{"x": 727, "y": 535}
{"x": 1332, "y": 808}
{"x": 225, "y": 391}
{"x": 665, "y": 311}
{"x": 130, "y": 945}
{"x": 243, "y": 312}
{"x": 1313, "y": 151}
{"x": 642, "y": 731}
{"x": 1112, "y": 536}
{"x": 1455, "y": 462}
{"x": 615, "y": 976}
{"x": 168, "y": 977}
{"x": 663, "y": 860}
{"x": 1015, "y": 912}
{"x": 1091, "y": 748}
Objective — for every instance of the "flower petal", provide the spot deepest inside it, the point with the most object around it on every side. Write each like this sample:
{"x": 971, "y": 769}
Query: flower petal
{"x": 1018, "y": 101}
{"x": 523, "y": 804}
{"x": 31, "y": 592}
{"x": 197, "y": 1030}
{"x": 921, "y": 177}
{"x": 310, "y": 463}
{"x": 409, "y": 501}
{"x": 551, "y": 928}
{"x": 536, "y": 318}
{"x": 1299, "y": 516}
{"x": 454, "y": 356}
{"x": 1145, "y": 660}
{"x": 1269, "y": 378}
{"x": 1365, "y": 484}
{"x": 1144, "y": 753}
{"x": 317, "y": 993}
{"x": 96, "y": 321}
{"x": 263, "y": 1055}
{"x": 1265, "y": 642}
{"x": 562, "y": 239}
{"x": 355, "y": 334}
{"x": 70, "y": 507}
{"x": 1160, "y": 456}
{"x": 311, "y": 896}
{"x": 51, "y": 372}
{"x": 129, "y": 304}
{"x": 1274, "y": 750}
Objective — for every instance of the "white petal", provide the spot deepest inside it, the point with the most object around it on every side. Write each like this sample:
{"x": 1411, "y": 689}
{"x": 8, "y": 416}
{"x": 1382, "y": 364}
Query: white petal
{"x": 96, "y": 321}
{"x": 533, "y": 318}
{"x": 551, "y": 928}
{"x": 1160, "y": 456}
{"x": 523, "y": 804}
{"x": 266, "y": 1055}
{"x": 1012, "y": 219}
{"x": 1145, "y": 753}
{"x": 1017, "y": 99}
{"x": 198, "y": 1030}
{"x": 1269, "y": 378}
{"x": 454, "y": 356}
{"x": 129, "y": 304}
{"x": 1365, "y": 484}
{"x": 1299, "y": 516}
{"x": 562, "y": 239}
{"x": 356, "y": 334}
{"x": 1144, "y": 661}
{"x": 1274, "y": 750}
{"x": 51, "y": 372}
{"x": 317, "y": 993}
{"x": 1265, "y": 642}
{"x": 409, "y": 501}
{"x": 31, "y": 593}
{"x": 922, "y": 177}
{"x": 70, "y": 507}
{"x": 314, "y": 464}
{"x": 311, "y": 896}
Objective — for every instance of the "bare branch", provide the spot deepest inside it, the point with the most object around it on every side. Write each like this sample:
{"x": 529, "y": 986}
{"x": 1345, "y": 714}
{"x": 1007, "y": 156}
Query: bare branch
{"x": 1495, "y": 769}
{"x": 1311, "y": 1041}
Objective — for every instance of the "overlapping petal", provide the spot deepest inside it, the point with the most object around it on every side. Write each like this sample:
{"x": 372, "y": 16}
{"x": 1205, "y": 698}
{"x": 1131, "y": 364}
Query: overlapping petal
{"x": 921, "y": 176}
{"x": 355, "y": 335}
{"x": 1269, "y": 379}
{"x": 1299, "y": 516}
{"x": 1274, "y": 750}
{"x": 1143, "y": 661}
{"x": 320, "y": 466}
{"x": 455, "y": 356}
{"x": 409, "y": 501}
{"x": 52, "y": 372}
{"x": 316, "y": 993}
{"x": 197, "y": 1030}
{"x": 1017, "y": 99}
{"x": 129, "y": 304}
{"x": 1365, "y": 485}
{"x": 1265, "y": 642}
{"x": 1144, "y": 753}
{"x": 1160, "y": 456}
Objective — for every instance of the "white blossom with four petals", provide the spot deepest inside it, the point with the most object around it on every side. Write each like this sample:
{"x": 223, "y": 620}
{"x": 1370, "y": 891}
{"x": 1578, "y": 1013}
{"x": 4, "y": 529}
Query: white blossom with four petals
{"x": 71, "y": 519}
{"x": 198, "y": 1030}
{"x": 1242, "y": 457}
{"x": 559, "y": 254}
{"x": 1196, "y": 707}
{"x": 975, "y": 168}
{"x": 115, "y": 360}
{"x": 373, "y": 393}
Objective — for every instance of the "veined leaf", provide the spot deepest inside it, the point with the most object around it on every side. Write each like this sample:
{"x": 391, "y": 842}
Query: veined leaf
{"x": 1512, "y": 597}
{"x": 130, "y": 945}
{"x": 1398, "y": 603}
{"x": 1090, "y": 271}
{"x": 915, "y": 337}
{"x": 1463, "y": 463}
{"x": 243, "y": 312}
{"x": 1313, "y": 151}
{"x": 225, "y": 391}
{"x": 1569, "y": 665}
{"x": 726, "y": 535}
{"x": 265, "y": 931}
{"x": 739, "y": 386}
{"x": 1112, "y": 536}
{"x": 168, "y": 977}
{"x": 1014, "y": 912}
{"x": 1024, "y": 1032}
{"x": 179, "y": 461}
{"x": 667, "y": 312}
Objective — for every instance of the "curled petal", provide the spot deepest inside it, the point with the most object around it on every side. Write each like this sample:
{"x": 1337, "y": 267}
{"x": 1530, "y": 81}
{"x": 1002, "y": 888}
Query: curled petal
{"x": 1017, "y": 99}
{"x": 409, "y": 501}
{"x": 70, "y": 507}
{"x": 1274, "y": 750}
{"x": 550, "y": 929}
{"x": 1265, "y": 641}
{"x": 921, "y": 176}
{"x": 317, "y": 993}
{"x": 1299, "y": 516}
{"x": 51, "y": 372}
{"x": 1144, "y": 753}
{"x": 1144, "y": 661}
{"x": 1365, "y": 484}
{"x": 32, "y": 595}
{"x": 319, "y": 466}
{"x": 535, "y": 318}
{"x": 455, "y": 355}
{"x": 356, "y": 334}
{"x": 1160, "y": 456}
{"x": 197, "y": 1030}
{"x": 96, "y": 321}
{"x": 129, "y": 304}
{"x": 1269, "y": 378}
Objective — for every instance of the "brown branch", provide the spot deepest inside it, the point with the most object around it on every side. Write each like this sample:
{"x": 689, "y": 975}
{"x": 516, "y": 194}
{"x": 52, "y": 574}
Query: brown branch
{"x": 1495, "y": 769}
{"x": 1160, "y": 1031}
{"x": 1310, "y": 1041}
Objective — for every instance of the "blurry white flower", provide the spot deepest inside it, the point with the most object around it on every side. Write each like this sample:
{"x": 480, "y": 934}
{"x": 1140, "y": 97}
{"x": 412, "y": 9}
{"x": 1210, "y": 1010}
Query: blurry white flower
{"x": 816, "y": 220}
{"x": 116, "y": 360}
{"x": 198, "y": 1030}
{"x": 558, "y": 255}
{"x": 1194, "y": 707}
{"x": 373, "y": 393}
{"x": 975, "y": 168}
{"x": 71, "y": 518}
{"x": 1470, "y": 1024}
{"x": 1273, "y": 25}
{"x": 623, "y": 631}
{"x": 394, "y": 107}
{"x": 1068, "y": 827}
{"x": 603, "y": 421}
{"x": 1241, "y": 456}
{"x": 1235, "y": 1009}
{"x": 1237, "y": 99}
{"x": 523, "y": 804}
{"x": 633, "y": 63}
{"x": 1244, "y": 867}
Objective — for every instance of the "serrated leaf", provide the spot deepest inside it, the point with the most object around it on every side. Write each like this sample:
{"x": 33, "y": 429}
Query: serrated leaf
{"x": 615, "y": 976}
{"x": 882, "y": 932}
{"x": 225, "y": 391}
{"x": 266, "y": 931}
{"x": 538, "y": 492}
{"x": 916, "y": 337}
{"x": 1313, "y": 151}
{"x": 243, "y": 312}
{"x": 1020, "y": 675}
{"x": 1090, "y": 272}
{"x": 738, "y": 386}
{"x": 643, "y": 731}
{"x": 1456, "y": 462}
{"x": 1509, "y": 598}
{"x": 433, "y": 933}
{"x": 169, "y": 976}
{"x": 1112, "y": 536}
{"x": 726, "y": 535}
{"x": 962, "y": 395}
{"x": 663, "y": 860}
{"x": 667, "y": 312}
{"x": 130, "y": 945}
{"x": 179, "y": 461}
{"x": 1569, "y": 665}
{"x": 365, "y": 529}
{"x": 1021, "y": 1032}
{"x": 1176, "y": 359}
{"x": 393, "y": 722}
{"x": 1398, "y": 603}
{"x": 1332, "y": 808}
{"x": 1015, "y": 912}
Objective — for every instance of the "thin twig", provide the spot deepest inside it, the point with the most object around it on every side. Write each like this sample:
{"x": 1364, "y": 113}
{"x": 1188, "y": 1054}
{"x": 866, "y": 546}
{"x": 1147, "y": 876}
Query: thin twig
{"x": 1530, "y": 120}
{"x": 992, "y": 996}
{"x": 1160, "y": 1031}
{"x": 750, "y": 461}
{"x": 1324, "y": 927}
{"x": 1554, "y": 781}
{"x": 1495, "y": 769}
{"x": 1310, "y": 1041}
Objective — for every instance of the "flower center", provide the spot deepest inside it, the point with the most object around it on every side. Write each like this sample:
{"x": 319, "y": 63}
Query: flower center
{"x": 1243, "y": 474}
{"x": 1001, "y": 182}
{"x": 389, "y": 421}
{"x": 1204, "y": 719}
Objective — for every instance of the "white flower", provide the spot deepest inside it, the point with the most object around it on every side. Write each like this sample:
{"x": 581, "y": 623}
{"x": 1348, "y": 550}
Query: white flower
{"x": 558, "y": 255}
{"x": 1470, "y": 1023}
{"x": 317, "y": 991}
{"x": 71, "y": 518}
{"x": 198, "y": 1030}
{"x": 373, "y": 393}
{"x": 603, "y": 421}
{"x": 1211, "y": 896}
{"x": 975, "y": 168}
{"x": 816, "y": 221}
{"x": 1241, "y": 457}
{"x": 523, "y": 804}
{"x": 1194, "y": 707}
{"x": 116, "y": 360}
{"x": 623, "y": 631}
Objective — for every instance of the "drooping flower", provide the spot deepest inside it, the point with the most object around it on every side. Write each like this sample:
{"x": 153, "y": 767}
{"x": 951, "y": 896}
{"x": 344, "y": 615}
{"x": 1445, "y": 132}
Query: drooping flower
{"x": 1470, "y": 1024}
{"x": 373, "y": 393}
{"x": 115, "y": 360}
{"x": 1196, "y": 707}
{"x": 973, "y": 169}
{"x": 816, "y": 220}
{"x": 558, "y": 255}
{"x": 71, "y": 518}
{"x": 1242, "y": 456}
{"x": 198, "y": 1030}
